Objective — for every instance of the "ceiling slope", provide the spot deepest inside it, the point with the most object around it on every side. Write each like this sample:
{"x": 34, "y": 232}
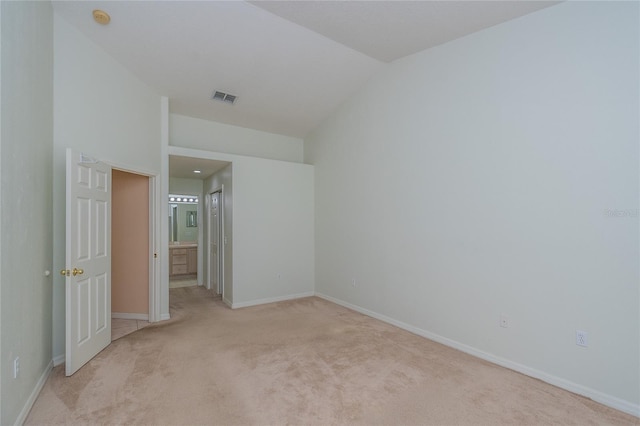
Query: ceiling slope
{"x": 289, "y": 63}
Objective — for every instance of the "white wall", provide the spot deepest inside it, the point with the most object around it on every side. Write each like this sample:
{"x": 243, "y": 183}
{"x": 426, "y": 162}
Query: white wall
{"x": 196, "y": 133}
{"x": 273, "y": 217}
{"x": 26, "y": 141}
{"x": 185, "y": 186}
{"x": 272, "y": 220}
{"x": 104, "y": 111}
{"x": 478, "y": 178}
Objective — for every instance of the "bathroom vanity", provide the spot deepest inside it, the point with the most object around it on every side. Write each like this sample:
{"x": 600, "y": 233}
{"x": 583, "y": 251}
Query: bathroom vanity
{"x": 183, "y": 259}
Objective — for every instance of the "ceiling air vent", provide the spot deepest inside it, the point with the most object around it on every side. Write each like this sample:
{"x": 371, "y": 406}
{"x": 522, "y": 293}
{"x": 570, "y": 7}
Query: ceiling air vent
{"x": 224, "y": 97}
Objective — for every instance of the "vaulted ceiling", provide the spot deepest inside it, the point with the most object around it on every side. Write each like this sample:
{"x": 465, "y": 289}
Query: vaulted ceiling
{"x": 290, "y": 63}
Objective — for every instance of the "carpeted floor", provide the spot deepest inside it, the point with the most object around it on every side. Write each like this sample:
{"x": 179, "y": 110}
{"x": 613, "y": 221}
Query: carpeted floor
{"x": 301, "y": 362}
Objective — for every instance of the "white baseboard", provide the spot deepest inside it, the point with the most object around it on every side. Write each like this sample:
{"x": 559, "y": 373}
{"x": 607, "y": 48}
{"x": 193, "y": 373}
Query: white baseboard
{"x": 58, "y": 360}
{"x": 271, "y": 300}
{"x": 165, "y": 317}
{"x": 34, "y": 395}
{"x": 602, "y": 398}
{"x": 124, "y": 315}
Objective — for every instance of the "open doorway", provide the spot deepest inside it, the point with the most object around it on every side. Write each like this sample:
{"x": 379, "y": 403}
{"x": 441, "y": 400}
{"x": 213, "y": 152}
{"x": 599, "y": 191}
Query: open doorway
{"x": 198, "y": 178}
{"x": 90, "y": 207}
{"x": 130, "y": 252}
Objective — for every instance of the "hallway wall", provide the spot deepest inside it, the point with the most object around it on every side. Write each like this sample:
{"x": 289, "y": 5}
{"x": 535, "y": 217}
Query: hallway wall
{"x": 497, "y": 174}
{"x": 26, "y": 236}
{"x": 189, "y": 132}
{"x": 106, "y": 112}
{"x": 269, "y": 206}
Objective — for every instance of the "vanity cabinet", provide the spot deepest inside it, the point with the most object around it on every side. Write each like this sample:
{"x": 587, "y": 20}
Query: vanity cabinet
{"x": 192, "y": 260}
{"x": 183, "y": 260}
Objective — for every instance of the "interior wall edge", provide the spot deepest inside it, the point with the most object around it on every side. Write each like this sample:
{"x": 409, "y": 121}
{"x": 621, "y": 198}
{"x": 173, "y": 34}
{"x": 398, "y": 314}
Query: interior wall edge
{"x": 59, "y": 360}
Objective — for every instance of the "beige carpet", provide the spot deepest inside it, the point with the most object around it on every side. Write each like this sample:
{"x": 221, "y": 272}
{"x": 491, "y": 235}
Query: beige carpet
{"x": 302, "y": 362}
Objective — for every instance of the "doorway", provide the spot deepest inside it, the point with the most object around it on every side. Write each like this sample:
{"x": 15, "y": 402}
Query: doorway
{"x": 130, "y": 250}
{"x": 89, "y": 250}
{"x": 202, "y": 177}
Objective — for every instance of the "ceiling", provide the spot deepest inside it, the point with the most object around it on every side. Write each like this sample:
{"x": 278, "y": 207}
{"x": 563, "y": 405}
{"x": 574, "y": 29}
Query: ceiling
{"x": 183, "y": 167}
{"x": 291, "y": 63}
{"x": 389, "y": 30}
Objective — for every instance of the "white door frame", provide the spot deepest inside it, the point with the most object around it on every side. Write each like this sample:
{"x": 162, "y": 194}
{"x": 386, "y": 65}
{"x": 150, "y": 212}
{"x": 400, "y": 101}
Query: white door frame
{"x": 163, "y": 230}
{"x": 221, "y": 243}
{"x": 154, "y": 263}
{"x": 220, "y": 260}
{"x": 207, "y": 241}
{"x": 154, "y": 259}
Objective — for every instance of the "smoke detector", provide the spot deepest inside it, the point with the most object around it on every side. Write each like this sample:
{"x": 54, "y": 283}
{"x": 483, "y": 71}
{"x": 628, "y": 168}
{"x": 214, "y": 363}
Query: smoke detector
{"x": 223, "y": 97}
{"x": 101, "y": 17}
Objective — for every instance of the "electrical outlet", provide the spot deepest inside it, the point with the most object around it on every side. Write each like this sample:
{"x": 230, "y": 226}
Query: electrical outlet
{"x": 504, "y": 321}
{"x": 581, "y": 338}
{"x": 16, "y": 367}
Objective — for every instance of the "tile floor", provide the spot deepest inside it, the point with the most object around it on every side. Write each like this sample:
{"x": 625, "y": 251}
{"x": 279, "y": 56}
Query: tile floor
{"x": 122, "y": 327}
{"x": 183, "y": 282}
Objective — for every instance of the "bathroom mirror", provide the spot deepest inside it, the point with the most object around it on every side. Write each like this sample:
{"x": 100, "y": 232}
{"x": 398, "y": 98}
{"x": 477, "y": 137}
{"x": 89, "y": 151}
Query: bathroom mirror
{"x": 192, "y": 219}
{"x": 183, "y": 220}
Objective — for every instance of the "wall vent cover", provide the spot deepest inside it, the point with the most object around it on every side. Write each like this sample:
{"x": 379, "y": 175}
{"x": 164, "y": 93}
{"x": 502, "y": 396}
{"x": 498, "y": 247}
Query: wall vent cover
{"x": 223, "y": 97}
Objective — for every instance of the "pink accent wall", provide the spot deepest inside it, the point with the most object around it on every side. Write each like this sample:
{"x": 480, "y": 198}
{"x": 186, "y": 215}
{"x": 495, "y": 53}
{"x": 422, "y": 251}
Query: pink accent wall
{"x": 130, "y": 243}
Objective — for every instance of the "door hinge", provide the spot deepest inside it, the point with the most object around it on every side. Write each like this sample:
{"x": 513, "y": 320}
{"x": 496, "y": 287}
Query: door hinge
{"x": 155, "y": 255}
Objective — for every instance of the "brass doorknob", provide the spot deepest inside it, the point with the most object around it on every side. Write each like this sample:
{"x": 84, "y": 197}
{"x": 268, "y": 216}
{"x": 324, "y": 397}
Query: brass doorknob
{"x": 77, "y": 271}
{"x": 64, "y": 272}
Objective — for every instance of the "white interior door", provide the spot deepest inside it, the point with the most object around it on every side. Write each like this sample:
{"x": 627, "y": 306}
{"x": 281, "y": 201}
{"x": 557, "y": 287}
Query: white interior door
{"x": 214, "y": 240}
{"x": 88, "y": 259}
